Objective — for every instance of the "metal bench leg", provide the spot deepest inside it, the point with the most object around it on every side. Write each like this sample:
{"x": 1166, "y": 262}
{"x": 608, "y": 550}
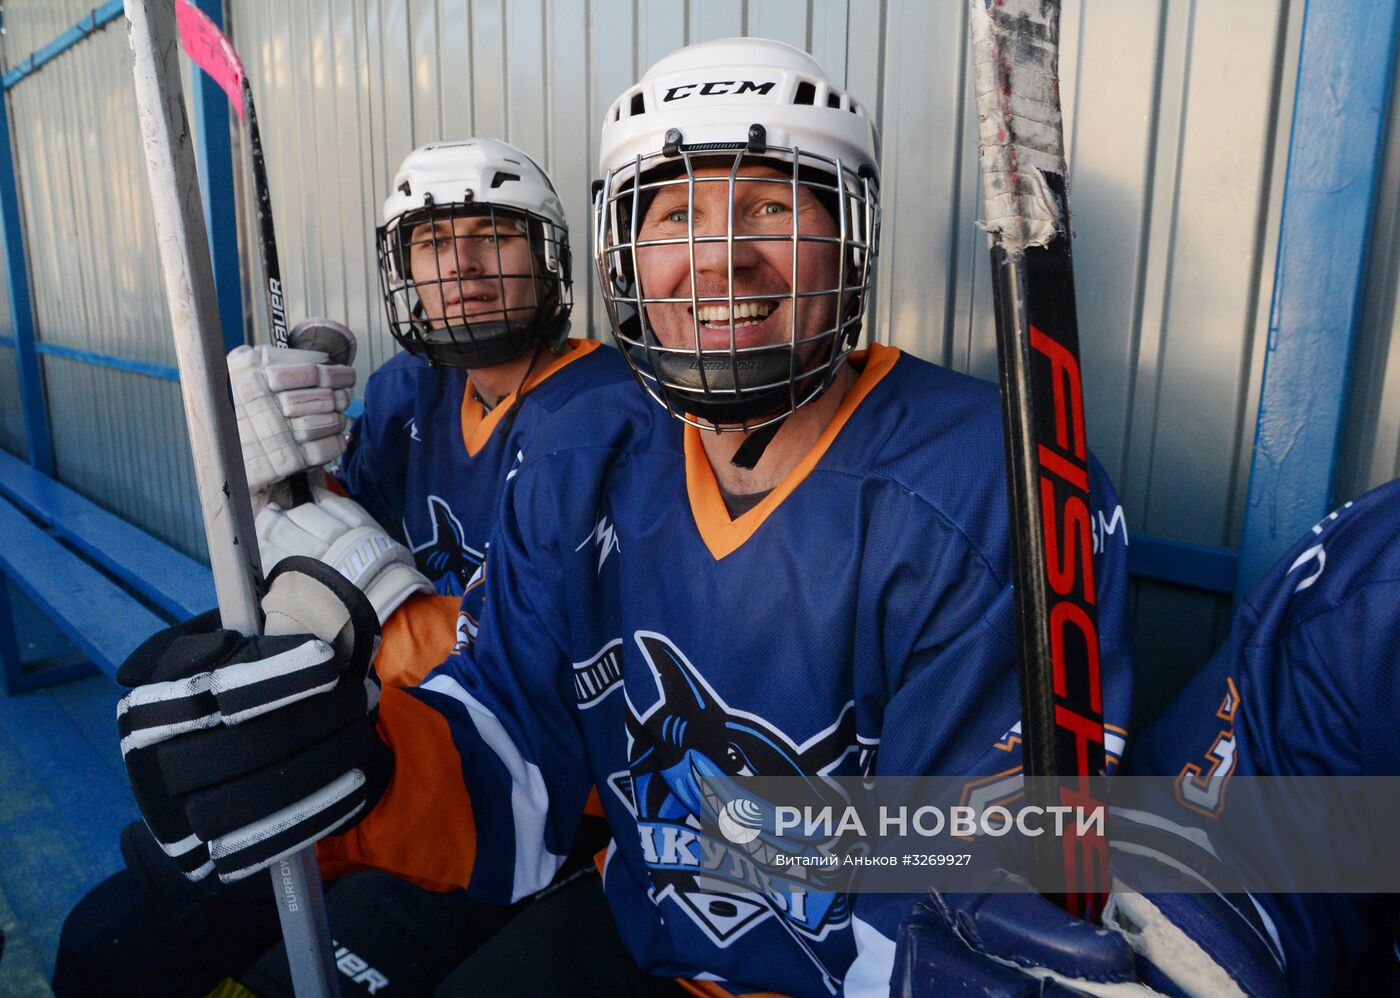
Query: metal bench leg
{"x": 47, "y": 671}
{"x": 9, "y": 642}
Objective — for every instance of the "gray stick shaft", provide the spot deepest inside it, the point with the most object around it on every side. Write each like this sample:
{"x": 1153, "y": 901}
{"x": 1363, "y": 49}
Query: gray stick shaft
{"x": 218, "y": 463}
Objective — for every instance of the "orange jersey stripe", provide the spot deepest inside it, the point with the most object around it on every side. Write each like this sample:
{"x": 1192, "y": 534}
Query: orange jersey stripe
{"x": 333, "y": 485}
{"x": 478, "y": 424}
{"x": 594, "y": 805}
{"x": 709, "y": 989}
{"x": 724, "y": 536}
{"x": 418, "y": 636}
{"x": 423, "y": 828}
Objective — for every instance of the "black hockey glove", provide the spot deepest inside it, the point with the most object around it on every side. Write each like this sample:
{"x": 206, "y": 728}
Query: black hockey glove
{"x": 241, "y": 750}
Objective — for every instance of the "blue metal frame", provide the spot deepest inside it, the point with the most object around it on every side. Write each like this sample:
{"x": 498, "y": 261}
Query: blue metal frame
{"x": 103, "y": 15}
{"x": 37, "y": 438}
{"x": 165, "y": 372}
{"x": 1334, "y": 162}
{"x": 1182, "y": 563}
{"x": 210, "y": 124}
{"x": 211, "y": 132}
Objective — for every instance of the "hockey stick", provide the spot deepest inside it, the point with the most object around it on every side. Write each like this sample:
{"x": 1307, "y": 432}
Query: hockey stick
{"x": 219, "y": 473}
{"x": 1021, "y": 151}
{"x": 210, "y": 50}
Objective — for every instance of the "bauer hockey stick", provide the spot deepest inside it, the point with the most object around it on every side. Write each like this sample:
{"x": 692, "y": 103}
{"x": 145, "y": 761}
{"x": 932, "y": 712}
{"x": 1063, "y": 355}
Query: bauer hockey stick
{"x": 210, "y": 50}
{"x": 1015, "y": 52}
{"x": 219, "y": 473}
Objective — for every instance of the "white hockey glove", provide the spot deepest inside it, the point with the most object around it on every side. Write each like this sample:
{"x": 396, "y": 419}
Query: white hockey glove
{"x": 291, "y": 407}
{"x": 338, "y": 532}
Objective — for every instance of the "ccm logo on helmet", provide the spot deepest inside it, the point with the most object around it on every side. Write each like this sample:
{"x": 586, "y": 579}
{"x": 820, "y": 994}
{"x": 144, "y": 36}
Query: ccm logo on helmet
{"x": 717, "y": 87}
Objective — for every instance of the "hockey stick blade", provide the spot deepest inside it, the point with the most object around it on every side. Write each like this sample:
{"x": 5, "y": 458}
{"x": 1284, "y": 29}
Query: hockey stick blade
{"x": 1021, "y": 154}
{"x": 210, "y": 50}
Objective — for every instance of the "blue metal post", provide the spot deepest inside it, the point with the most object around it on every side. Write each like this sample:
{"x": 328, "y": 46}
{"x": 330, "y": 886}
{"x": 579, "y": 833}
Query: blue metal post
{"x": 31, "y": 379}
{"x": 211, "y": 133}
{"x": 1334, "y": 162}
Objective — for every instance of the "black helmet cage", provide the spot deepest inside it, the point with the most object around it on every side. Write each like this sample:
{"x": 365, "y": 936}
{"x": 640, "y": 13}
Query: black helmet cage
{"x": 735, "y": 405}
{"x": 510, "y": 331}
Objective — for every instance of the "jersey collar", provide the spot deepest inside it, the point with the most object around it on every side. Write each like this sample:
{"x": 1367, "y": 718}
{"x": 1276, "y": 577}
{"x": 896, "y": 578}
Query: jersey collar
{"x": 723, "y": 535}
{"x": 478, "y": 424}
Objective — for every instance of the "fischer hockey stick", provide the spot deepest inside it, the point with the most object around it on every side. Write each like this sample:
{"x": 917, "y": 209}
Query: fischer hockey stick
{"x": 219, "y": 473}
{"x": 1015, "y": 51}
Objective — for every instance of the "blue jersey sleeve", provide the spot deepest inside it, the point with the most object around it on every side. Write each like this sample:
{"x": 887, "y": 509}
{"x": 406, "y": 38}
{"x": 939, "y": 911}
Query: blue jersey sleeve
{"x": 1305, "y": 685}
{"x": 962, "y": 668}
{"x": 374, "y": 469}
{"x": 508, "y": 702}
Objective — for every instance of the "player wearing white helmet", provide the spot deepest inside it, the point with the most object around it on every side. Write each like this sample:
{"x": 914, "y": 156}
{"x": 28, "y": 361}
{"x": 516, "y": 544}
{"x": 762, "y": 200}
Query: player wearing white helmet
{"x": 806, "y": 573}
{"x": 474, "y": 267}
{"x": 474, "y": 255}
{"x": 736, "y": 256}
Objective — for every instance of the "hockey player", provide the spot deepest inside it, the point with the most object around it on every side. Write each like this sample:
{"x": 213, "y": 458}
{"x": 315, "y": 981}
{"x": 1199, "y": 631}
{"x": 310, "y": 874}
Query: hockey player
{"x": 474, "y": 266}
{"x": 475, "y": 271}
{"x": 1303, "y": 687}
{"x": 811, "y": 576}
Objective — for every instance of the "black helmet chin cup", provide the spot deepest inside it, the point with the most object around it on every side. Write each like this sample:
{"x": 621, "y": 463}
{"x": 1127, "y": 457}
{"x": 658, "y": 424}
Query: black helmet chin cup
{"x": 676, "y": 376}
{"x": 475, "y": 345}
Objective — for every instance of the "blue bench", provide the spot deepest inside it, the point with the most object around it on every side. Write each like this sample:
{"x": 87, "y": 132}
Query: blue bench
{"x": 106, "y": 584}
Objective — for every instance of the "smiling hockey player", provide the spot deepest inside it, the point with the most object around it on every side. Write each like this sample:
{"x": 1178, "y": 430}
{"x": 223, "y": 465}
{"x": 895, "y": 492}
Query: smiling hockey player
{"x": 806, "y": 573}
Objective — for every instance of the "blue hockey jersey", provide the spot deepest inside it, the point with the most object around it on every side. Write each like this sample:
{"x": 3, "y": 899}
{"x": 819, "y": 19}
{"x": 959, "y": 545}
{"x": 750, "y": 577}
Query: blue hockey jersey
{"x": 858, "y": 620}
{"x": 1305, "y": 685}
{"x": 428, "y": 461}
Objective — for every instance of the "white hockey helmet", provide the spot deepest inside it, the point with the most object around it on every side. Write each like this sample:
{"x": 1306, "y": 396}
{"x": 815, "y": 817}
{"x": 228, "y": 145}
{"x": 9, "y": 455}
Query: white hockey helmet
{"x": 735, "y": 101}
{"x": 475, "y": 178}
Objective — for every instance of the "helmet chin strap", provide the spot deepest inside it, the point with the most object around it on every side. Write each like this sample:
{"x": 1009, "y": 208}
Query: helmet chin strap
{"x": 751, "y": 451}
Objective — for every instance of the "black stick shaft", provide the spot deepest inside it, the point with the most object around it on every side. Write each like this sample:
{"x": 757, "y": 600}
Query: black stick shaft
{"x": 1047, "y": 463}
{"x": 267, "y": 232}
{"x": 272, "y": 268}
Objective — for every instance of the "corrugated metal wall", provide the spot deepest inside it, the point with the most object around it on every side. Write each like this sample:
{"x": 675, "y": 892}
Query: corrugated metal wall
{"x": 118, "y": 437}
{"x": 11, "y": 414}
{"x": 1177, "y": 117}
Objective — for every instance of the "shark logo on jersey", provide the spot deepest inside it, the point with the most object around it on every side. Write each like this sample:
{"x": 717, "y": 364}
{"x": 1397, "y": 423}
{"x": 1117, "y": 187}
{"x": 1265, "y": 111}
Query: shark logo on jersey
{"x": 605, "y": 536}
{"x": 680, "y": 747}
{"x": 445, "y": 558}
{"x": 473, "y": 599}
